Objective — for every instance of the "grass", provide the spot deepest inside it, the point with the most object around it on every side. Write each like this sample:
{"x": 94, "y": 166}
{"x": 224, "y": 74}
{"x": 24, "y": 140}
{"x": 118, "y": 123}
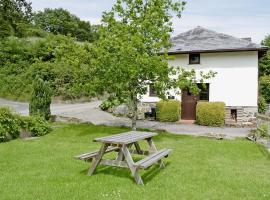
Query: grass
{"x": 198, "y": 168}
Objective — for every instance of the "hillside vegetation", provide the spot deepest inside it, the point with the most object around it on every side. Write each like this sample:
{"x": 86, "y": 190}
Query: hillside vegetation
{"x": 61, "y": 60}
{"x": 52, "y": 44}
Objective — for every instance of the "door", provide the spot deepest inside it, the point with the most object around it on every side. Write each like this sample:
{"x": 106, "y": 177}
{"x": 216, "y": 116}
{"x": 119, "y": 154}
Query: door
{"x": 189, "y": 102}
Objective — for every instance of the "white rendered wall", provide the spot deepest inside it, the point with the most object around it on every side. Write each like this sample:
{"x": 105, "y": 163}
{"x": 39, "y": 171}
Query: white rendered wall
{"x": 236, "y": 82}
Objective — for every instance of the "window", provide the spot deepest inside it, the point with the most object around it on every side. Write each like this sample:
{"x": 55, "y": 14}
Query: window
{"x": 194, "y": 58}
{"x": 234, "y": 114}
{"x": 152, "y": 91}
{"x": 204, "y": 93}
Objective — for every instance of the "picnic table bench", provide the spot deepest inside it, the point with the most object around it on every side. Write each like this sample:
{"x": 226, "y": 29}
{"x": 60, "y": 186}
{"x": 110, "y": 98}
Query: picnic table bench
{"x": 122, "y": 144}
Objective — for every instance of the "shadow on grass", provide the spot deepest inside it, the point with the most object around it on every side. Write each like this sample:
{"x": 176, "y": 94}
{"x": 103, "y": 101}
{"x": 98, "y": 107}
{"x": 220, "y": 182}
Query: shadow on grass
{"x": 150, "y": 173}
{"x": 146, "y": 176}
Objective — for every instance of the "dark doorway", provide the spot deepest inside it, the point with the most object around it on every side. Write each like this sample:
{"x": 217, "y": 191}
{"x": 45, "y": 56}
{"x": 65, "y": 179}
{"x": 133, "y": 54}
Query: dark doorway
{"x": 189, "y": 102}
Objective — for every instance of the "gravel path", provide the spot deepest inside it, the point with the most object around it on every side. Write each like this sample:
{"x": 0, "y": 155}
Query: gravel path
{"x": 90, "y": 112}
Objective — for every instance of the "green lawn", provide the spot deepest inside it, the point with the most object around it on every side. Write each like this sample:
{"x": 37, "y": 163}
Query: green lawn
{"x": 198, "y": 168}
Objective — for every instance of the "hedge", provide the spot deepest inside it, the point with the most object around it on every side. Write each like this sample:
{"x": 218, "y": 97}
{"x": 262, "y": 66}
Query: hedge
{"x": 210, "y": 113}
{"x": 168, "y": 111}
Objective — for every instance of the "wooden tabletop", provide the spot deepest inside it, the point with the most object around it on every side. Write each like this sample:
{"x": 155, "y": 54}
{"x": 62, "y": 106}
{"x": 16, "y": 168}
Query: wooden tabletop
{"x": 126, "y": 138}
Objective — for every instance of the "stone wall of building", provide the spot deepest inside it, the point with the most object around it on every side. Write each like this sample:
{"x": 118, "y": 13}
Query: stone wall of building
{"x": 241, "y": 116}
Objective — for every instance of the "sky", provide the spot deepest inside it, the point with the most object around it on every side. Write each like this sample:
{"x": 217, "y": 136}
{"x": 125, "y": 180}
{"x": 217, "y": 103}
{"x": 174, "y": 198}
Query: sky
{"x": 239, "y": 18}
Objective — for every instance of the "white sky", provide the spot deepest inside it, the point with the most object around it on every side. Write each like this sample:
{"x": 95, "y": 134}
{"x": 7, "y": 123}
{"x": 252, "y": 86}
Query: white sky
{"x": 240, "y": 18}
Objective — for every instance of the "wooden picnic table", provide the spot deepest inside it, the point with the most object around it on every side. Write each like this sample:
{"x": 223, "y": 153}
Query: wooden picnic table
{"x": 122, "y": 144}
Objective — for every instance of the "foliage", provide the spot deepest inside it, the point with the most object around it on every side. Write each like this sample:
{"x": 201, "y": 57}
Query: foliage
{"x": 40, "y": 101}
{"x": 168, "y": 111}
{"x": 210, "y": 113}
{"x": 188, "y": 80}
{"x": 59, "y": 60}
{"x": 15, "y": 17}
{"x": 60, "y": 21}
{"x": 260, "y": 132}
{"x": 264, "y": 88}
{"x": 127, "y": 55}
{"x": 9, "y": 125}
{"x": 35, "y": 125}
{"x": 266, "y": 41}
{"x": 261, "y": 105}
{"x": 263, "y": 129}
{"x": 264, "y": 64}
{"x": 109, "y": 103}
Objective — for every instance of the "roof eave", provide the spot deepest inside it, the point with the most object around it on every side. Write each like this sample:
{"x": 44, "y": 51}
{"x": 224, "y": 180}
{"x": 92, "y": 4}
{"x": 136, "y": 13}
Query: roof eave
{"x": 263, "y": 49}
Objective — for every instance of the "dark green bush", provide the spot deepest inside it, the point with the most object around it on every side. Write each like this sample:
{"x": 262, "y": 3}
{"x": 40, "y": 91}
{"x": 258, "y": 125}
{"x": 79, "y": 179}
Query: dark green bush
{"x": 9, "y": 125}
{"x": 41, "y": 99}
{"x": 210, "y": 113}
{"x": 36, "y": 126}
{"x": 168, "y": 111}
{"x": 261, "y": 105}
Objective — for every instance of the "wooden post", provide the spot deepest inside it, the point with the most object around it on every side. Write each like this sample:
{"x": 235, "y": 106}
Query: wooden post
{"x": 153, "y": 149}
{"x": 134, "y": 170}
{"x": 97, "y": 159}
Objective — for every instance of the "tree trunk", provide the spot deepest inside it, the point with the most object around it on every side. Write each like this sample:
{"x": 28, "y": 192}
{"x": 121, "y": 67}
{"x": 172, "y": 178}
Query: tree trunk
{"x": 134, "y": 109}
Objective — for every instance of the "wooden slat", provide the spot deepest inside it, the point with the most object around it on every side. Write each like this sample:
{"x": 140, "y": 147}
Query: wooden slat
{"x": 153, "y": 158}
{"x": 114, "y": 163}
{"x": 90, "y": 155}
{"x": 126, "y": 138}
{"x": 142, "y": 152}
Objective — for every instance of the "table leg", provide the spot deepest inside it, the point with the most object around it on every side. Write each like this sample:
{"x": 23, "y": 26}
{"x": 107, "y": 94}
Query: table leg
{"x": 138, "y": 148}
{"x": 134, "y": 170}
{"x": 153, "y": 149}
{"x": 120, "y": 156}
{"x": 97, "y": 159}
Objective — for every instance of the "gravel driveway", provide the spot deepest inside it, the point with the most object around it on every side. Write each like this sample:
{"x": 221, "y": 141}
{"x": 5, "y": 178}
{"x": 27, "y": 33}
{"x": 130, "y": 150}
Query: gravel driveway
{"x": 90, "y": 112}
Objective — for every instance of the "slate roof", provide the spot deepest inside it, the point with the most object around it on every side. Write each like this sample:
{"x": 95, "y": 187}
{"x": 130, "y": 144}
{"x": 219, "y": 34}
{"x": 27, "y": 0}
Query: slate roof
{"x": 204, "y": 40}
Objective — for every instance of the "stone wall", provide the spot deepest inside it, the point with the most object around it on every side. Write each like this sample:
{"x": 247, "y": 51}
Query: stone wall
{"x": 123, "y": 110}
{"x": 144, "y": 107}
{"x": 245, "y": 116}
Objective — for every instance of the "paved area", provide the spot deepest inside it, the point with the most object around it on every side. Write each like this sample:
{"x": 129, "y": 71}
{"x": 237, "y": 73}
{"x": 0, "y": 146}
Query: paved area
{"x": 90, "y": 112}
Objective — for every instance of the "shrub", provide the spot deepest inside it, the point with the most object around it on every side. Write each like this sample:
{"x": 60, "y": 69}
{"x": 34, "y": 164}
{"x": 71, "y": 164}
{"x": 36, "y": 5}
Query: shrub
{"x": 9, "y": 125}
{"x": 261, "y": 105}
{"x": 260, "y": 132}
{"x": 41, "y": 99}
{"x": 36, "y": 125}
{"x": 168, "y": 111}
{"x": 210, "y": 113}
{"x": 109, "y": 103}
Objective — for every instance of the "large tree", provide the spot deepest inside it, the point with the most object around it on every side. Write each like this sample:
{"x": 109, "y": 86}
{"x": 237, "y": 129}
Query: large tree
{"x": 15, "y": 17}
{"x": 131, "y": 51}
{"x": 61, "y": 21}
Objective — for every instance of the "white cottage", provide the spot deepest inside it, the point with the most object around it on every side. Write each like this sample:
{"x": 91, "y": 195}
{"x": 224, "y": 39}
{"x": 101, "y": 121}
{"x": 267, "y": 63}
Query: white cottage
{"x": 236, "y": 62}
